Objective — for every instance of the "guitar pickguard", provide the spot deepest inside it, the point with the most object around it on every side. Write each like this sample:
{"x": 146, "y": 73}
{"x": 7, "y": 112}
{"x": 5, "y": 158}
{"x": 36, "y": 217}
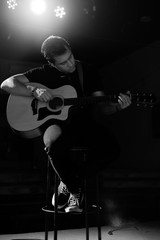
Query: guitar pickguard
{"x": 44, "y": 112}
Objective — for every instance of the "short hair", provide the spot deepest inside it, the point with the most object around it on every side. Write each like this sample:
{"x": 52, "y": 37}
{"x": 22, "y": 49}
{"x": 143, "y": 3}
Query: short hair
{"x": 54, "y": 46}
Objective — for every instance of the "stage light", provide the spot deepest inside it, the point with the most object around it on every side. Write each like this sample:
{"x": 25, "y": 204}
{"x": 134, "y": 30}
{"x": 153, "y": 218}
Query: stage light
{"x": 12, "y": 4}
{"x": 59, "y": 12}
{"x": 38, "y": 6}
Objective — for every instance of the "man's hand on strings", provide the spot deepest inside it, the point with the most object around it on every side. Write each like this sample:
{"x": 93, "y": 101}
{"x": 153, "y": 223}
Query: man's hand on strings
{"x": 124, "y": 100}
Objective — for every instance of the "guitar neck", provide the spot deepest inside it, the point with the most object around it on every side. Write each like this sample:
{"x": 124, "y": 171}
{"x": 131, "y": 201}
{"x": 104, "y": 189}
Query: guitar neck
{"x": 90, "y": 100}
{"x": 145, "y": 99}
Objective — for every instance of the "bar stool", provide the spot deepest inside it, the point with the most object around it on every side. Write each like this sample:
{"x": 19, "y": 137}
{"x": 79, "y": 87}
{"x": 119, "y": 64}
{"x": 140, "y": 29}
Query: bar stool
{"x": 49, "y": 209}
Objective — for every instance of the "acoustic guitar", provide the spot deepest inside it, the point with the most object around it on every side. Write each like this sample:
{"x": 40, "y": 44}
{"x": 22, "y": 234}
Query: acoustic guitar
{"x": 26, "y": 114}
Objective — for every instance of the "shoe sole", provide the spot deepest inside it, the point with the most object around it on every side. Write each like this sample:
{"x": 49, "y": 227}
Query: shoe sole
{"x": 73, "y": 210}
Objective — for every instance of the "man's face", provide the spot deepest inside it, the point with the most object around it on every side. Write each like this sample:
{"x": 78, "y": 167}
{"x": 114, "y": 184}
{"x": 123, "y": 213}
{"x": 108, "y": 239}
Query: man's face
{"x": 65, "y": 62}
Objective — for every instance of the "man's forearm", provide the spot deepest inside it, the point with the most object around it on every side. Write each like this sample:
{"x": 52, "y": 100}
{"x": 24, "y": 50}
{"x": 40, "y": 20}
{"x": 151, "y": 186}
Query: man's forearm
{"x": 16, "y": 87}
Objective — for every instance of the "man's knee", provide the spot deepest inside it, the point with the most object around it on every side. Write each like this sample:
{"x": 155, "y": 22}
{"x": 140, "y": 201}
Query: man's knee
{"x": 51, "y": 134}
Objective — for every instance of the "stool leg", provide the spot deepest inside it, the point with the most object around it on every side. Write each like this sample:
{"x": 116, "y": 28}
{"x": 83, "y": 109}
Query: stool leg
{"x": 85, "y": 201}
{"x": 50, "y": 163}
{"x": 47, "y": 198}
{"x": 86, "y": 209}
{"x": 98, "y": 208}
{"x": 56, "y": 206}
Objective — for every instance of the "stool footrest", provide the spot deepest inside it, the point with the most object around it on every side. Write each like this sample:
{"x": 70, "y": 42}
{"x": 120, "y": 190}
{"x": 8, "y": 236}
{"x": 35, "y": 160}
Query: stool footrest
{"x": 90, "y": 209}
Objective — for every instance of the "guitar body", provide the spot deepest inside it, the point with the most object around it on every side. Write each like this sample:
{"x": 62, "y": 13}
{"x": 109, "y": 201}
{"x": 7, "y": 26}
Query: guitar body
{"x": 26, "y": 114}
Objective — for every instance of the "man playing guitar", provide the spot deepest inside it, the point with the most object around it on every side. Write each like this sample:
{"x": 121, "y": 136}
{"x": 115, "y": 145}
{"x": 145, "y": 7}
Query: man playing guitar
{"x": 45, "y": 93}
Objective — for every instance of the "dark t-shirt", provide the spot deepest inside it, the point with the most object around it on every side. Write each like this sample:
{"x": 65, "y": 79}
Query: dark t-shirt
{"x": 52, "y": 78}
{"x": 80, "y": 126}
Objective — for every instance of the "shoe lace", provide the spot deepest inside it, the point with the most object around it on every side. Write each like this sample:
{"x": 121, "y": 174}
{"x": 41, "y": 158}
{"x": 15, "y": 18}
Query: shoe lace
{"x": 74, "y": 199}
{"x": 63, "y": 188}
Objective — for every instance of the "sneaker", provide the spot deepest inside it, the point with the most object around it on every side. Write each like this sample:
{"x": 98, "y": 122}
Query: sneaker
{"x": 63, "y": 196}
{"x": 74, "y": 203}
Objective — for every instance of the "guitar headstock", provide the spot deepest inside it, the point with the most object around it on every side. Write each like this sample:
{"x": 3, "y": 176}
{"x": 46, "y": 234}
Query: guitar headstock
{"x": 144, "y": 99}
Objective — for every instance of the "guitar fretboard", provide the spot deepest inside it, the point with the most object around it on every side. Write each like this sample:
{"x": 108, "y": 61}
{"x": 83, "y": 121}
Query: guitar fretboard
{"x": 90, "y": 100}
{"x": 138, "y": 98}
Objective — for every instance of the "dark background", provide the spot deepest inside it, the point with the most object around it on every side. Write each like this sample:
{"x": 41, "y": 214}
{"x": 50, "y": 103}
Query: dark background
{"x": 122, "y": 38}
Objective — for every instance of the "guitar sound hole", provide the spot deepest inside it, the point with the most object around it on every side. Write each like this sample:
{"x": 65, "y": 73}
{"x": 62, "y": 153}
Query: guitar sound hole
{"x": 56, "y": 103}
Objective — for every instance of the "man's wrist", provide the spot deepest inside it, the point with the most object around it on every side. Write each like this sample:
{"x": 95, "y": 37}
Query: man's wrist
{"x": 33, "y": 91}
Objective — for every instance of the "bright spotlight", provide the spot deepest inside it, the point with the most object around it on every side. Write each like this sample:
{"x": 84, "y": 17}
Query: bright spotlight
{"x": 38, "y": 6}
{"x": 12, "y": 4}
{"x": 60, "y": 12}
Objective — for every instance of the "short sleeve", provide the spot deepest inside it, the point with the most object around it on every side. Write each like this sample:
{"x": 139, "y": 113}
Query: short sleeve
{"x": 35, "y": 75}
